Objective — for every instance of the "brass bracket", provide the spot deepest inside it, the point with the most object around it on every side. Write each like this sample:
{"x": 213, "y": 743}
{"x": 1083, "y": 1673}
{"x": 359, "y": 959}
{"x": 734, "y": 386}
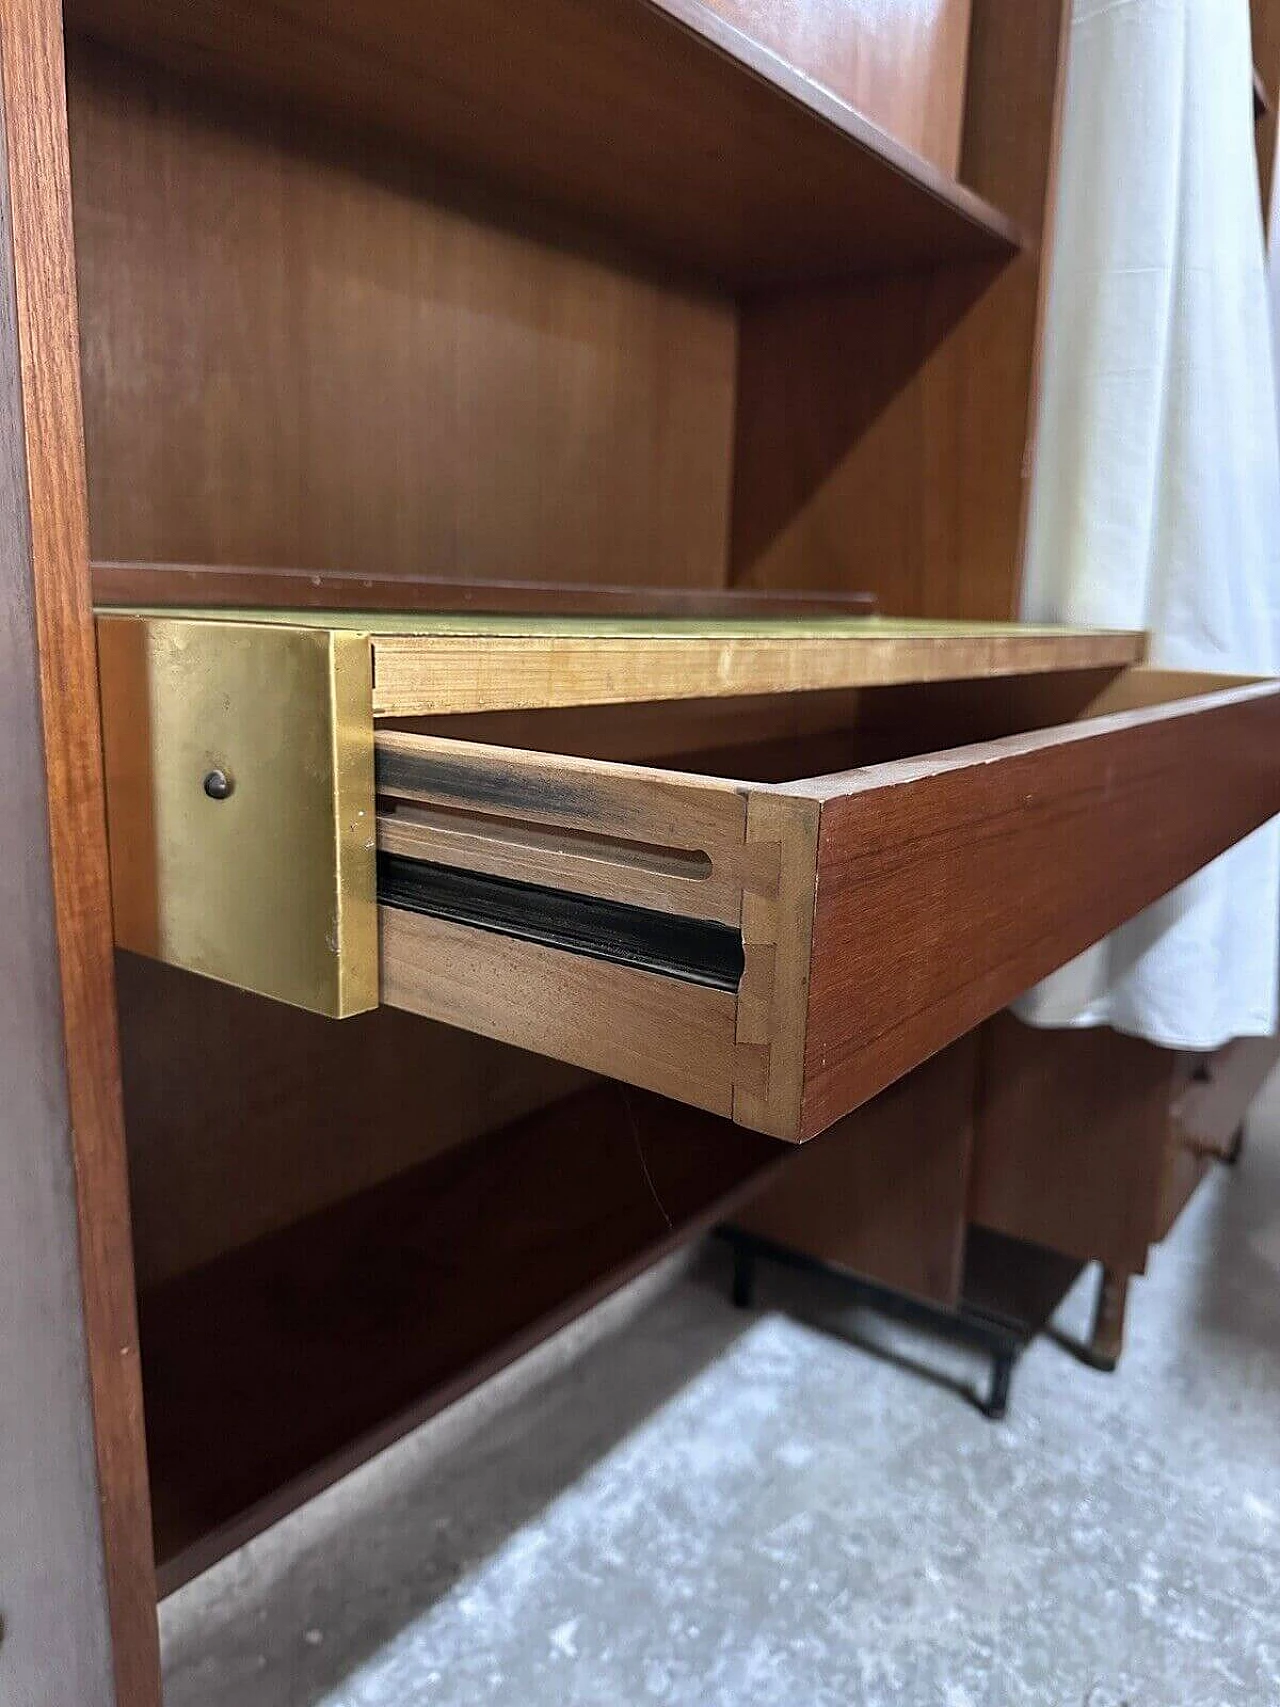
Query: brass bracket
{"x": 240, "y": 803}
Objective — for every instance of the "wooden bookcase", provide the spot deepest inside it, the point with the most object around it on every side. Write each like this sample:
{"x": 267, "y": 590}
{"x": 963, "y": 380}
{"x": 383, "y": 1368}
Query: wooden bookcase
{"x": 1087, "y": 1145}
{"x": 479, "y": 306}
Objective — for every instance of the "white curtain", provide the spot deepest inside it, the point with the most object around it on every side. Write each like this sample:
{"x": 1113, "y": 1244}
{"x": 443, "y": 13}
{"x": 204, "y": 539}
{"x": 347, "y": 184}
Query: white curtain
{"x": 1156, "y": 494}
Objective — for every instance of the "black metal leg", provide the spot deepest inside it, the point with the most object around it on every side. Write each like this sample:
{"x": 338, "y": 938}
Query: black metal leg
{"x": 744, "y": 1276}
{"x": 1236, "y": 1148}
{"x": 1001, "y": 1377}
{"x": 1001, "y": 1339}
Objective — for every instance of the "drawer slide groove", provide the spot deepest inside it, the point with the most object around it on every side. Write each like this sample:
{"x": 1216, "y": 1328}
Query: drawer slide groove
{"x": 697, "y": 951}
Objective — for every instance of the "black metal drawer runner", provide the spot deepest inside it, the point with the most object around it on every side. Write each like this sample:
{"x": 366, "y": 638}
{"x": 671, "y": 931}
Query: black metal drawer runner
{"x": 698, "y": 951}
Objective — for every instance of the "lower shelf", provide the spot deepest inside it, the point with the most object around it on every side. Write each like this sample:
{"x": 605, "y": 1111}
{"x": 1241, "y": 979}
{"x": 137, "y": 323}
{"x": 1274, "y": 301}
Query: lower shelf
{"x": 277, "y": 1368}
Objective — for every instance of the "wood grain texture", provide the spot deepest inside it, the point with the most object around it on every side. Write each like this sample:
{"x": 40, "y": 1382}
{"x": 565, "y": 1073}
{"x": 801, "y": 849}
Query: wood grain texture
{"x": 524, "y": 666}
{"x": 902, "y": 66}
{"x": 663, "y": 1034}
{"x": 776, "y": 738}
{"x": 1264, "y": 18}
{"x": 654, "y": 121}
{"x": 244, "y": 1115}
{"x": 78, "y": 1577}
{"x": 292, "y": 355}
{"x": 662, "y": 879}
{"x": 882, "y": 1194}
{"x": 883, "y": 429}
{"x": 653, "y": 838}
{"x": 848, "y": 452}
{"x": 209, "y": 585}
{"x": 777, "y": 934}
{"x": 947, "y": 885}
{"x": 1071, "y": 1139}
{"x": 275, "y": 1370}
{"x": 670, "y": 845}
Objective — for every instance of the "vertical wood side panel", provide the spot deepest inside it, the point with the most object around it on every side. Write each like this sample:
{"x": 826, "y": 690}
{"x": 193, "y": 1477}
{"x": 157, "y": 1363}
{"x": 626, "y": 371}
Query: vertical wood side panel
{"x": 882, "y": 1193}
{"x": 76, "y": 1569}
{"x": 883, "y": 429}
{"x": 1071, "y": 1138}
{"x": 949, "y": 884}
{"x": 347, "y": 375}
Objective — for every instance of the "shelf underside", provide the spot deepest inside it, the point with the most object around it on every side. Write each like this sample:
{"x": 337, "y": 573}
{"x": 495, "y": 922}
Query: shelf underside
{"x": 429, "y": 665}
{"x": 652, "y": 122}
{"x": 274, "y": 1369}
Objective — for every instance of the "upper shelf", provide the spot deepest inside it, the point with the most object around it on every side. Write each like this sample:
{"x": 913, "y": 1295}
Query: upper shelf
{"x": 215, "y": 587}
{"x": 430, "y": 665}
{"x": 652, "y": 121}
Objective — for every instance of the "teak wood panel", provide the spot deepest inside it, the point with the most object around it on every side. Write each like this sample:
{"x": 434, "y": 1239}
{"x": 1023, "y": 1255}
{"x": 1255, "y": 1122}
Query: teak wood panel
{"x": 214, "y": 586}
{"x": 884, "y": 911}
{"x": 418, "y": 675}
{"x": 292, "y": 356}
{"x": 653, "y": 839}
{"x": 884, "y": 429}
{"x": 675, "y": 1038}
{"x": 1071, "y": 1139}
{"x": 882, "y": 1193}
{"x": 310, "y": 1112}
{"x": 1264, "y": 16}
{"x": 655, "y": 122}
{"x": 277, "y": 1369}
{"x": 901, "y": 67}
{"x": 77, "y": 1582}
{"x": 948, "y": 885}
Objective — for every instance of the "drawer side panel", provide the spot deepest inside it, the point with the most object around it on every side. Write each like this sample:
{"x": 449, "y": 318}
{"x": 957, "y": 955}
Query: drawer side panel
{"x": 948, "y": 886}
{"x": 659, "y": 1033}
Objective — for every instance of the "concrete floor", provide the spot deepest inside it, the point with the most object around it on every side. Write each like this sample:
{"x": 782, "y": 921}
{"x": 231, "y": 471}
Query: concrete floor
{"x": 677, "y": 1503}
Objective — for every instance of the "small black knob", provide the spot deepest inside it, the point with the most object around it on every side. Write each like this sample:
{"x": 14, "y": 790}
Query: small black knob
{"x": 218, "y": 785}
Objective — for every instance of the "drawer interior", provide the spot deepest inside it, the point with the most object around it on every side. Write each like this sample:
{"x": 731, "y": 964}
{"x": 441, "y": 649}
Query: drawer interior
{"x": 502, "y": 811}
{"x": 689, "y": 925}
{"x": 655, "y": 890}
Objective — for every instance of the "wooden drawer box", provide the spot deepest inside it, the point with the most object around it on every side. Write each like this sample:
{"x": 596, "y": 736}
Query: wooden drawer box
{"x": 772, "y": 933}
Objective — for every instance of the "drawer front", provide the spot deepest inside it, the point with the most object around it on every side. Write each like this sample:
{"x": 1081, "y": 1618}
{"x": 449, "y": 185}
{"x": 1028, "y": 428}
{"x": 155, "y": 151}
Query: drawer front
{"x": 782, "y": 953}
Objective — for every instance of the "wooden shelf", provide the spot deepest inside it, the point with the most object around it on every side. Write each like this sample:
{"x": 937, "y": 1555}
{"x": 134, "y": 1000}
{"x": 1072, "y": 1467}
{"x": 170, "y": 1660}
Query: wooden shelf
{"x": 427, "y": 665}
{"x": 215, "y": 587}
{"x": 275, "y": 1369}
{"x": 653, "y": 121}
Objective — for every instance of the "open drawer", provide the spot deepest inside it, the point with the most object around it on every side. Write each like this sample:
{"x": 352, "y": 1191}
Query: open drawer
{"x": 731, "y": 930}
